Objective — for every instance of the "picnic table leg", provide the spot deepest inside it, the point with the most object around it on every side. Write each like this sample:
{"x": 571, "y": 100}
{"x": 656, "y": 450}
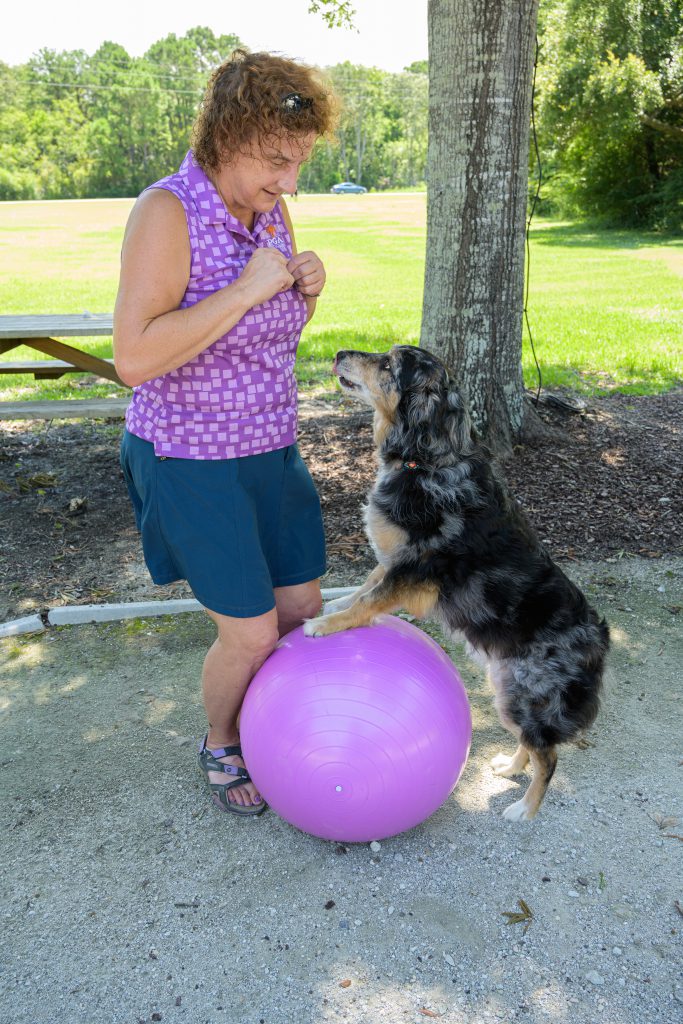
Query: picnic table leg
{"x": 83, "y": 360}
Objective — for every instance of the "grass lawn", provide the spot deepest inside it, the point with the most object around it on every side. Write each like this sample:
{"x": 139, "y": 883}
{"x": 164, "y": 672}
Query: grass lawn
{"x": 606, "y": 308}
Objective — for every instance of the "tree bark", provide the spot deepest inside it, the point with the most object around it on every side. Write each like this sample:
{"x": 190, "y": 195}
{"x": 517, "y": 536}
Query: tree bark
{"x": 481, "y": 58}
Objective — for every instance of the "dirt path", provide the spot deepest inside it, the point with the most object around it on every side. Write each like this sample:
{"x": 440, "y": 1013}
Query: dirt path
{"x": 128, "y": 898}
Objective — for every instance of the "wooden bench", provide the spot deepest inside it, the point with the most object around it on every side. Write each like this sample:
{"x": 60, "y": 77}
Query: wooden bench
{"x": 43, "y": 369}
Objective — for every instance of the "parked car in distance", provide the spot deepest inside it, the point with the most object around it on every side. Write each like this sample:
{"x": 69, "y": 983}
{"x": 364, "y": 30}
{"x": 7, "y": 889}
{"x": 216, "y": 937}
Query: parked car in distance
{"x": 347, "y": 186}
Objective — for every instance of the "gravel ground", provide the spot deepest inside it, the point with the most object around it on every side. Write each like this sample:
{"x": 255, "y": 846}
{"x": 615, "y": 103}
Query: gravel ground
{"x": 127, "y": 897}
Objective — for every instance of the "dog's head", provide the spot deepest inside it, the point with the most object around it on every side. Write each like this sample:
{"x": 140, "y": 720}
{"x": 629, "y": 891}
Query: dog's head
{"x": 418, "y": 407}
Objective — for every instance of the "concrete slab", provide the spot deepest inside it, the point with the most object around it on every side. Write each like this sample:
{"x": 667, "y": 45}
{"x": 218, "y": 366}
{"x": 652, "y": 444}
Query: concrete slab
{"x": 26, "y": 624}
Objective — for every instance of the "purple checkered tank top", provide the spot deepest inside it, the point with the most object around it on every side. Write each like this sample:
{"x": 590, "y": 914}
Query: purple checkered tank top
{"x": 238, "y": 396}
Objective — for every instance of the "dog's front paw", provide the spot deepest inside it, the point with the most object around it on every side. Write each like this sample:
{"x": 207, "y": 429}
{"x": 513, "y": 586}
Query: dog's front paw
{"x": 318, "y": 627}
{"x": 519, "y": 811}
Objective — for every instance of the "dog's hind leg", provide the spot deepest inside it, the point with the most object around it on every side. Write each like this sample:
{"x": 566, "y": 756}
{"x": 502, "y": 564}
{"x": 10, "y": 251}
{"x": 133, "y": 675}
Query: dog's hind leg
{"x": 543, "y": 763}
{"x": 507, "y": 766}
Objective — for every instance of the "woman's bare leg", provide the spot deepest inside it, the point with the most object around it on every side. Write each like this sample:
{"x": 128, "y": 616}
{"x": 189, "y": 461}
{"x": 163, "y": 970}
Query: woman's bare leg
{"x": 241, "y": 647}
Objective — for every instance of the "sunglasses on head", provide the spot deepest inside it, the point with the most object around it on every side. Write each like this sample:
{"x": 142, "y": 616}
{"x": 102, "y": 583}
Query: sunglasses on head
{"x": 293, "y": 102}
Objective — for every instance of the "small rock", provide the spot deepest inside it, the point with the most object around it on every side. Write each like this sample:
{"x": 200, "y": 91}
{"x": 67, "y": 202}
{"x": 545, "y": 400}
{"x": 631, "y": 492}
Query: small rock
{"x": 375, "y": 846}
{"x": 595, "y": 978}
{"x": 617, "y": 951}
{"x": 77, "y": 506}
{"x": 622, "y": 911}
{"x": 449, "y": 959}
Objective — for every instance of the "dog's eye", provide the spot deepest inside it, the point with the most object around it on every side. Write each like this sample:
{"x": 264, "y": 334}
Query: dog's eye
{"x": 385, "y": 364}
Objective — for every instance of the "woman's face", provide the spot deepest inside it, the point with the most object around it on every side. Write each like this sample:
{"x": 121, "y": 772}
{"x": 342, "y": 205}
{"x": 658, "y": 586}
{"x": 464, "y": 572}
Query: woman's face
{"x": 253, "y": 183}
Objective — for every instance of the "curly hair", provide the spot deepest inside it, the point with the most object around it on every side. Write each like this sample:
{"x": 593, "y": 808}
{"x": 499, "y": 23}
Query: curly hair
{"x": 243, "y": 106}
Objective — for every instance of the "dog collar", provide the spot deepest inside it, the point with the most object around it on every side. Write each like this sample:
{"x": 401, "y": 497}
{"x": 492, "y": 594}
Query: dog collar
{"x": 411, "y": 465}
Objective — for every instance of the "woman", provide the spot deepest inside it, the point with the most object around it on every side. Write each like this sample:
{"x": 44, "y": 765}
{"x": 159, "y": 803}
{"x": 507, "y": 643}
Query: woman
{"x": 212, "y": 300}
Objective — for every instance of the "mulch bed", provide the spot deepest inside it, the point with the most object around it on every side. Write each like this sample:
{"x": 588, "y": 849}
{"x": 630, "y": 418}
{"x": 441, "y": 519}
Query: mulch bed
{"x": 609, "y": 485}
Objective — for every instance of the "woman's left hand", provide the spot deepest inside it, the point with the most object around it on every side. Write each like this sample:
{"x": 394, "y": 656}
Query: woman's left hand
{"x": 308, "y": 272}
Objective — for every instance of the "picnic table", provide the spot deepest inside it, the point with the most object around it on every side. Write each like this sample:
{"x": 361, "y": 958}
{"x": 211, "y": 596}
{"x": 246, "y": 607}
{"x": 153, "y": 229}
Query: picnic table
{"x": 42, "y": 333}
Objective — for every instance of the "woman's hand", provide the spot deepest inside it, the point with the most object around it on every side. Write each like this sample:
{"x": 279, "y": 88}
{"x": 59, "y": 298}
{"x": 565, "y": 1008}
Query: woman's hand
{"x": 266, "y": 274}
{"x": 308, "y": 272}
{"x": 152, "y": 334}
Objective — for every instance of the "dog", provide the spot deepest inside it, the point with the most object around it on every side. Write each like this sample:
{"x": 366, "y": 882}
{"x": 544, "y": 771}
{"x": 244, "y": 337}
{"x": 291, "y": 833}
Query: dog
{"x": 452, "y": 545}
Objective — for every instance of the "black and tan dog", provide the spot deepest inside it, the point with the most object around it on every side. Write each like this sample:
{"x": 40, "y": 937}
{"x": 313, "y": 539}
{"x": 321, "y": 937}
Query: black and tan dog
{"x": 452, "y": 545}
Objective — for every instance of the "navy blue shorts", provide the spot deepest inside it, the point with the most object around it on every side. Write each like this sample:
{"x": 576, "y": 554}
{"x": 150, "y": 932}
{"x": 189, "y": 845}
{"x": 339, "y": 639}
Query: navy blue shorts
{"x": 233, "y": 528}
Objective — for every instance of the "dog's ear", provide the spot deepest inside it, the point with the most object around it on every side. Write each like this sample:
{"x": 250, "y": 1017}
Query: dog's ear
{"x": 422, "y": 382}
{"x": 426, "y": 398}
{"x": 434, "y": 412}
{"x": 457, "y": 419}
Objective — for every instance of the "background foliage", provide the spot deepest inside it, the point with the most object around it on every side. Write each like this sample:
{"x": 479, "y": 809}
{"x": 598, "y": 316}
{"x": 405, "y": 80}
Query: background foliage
{"x": 106, "y": 125}
{"x": 609, "y": 116}
{"x": 610, "y": 109}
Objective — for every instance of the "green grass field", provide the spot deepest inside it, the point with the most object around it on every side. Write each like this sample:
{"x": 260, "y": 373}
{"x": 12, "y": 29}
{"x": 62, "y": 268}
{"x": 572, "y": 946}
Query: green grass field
{"x": 606, "y": 308}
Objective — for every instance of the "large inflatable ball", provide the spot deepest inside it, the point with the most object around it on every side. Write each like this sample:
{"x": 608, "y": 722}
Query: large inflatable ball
{"x": 356, "y": 736}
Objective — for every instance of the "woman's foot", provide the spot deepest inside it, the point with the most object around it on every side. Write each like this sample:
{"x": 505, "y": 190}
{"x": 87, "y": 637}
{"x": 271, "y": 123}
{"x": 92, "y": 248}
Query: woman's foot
{"x": 232, "y": 784}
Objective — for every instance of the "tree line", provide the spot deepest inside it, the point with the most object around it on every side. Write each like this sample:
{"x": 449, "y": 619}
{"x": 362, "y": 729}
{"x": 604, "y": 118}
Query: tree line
{"x": 608, "y": 116}
{"x": 75, "y": 125}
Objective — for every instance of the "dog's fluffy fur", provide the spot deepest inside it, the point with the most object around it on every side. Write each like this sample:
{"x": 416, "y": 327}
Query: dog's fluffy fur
{"x": 453, "y": 546}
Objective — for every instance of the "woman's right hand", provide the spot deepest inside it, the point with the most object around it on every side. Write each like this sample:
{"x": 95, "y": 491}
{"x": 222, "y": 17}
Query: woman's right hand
{"x": 264, "y": 276}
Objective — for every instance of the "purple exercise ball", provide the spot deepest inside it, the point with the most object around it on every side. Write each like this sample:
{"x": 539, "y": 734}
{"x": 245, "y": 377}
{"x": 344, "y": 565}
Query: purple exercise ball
{"x": 359, "y": 735}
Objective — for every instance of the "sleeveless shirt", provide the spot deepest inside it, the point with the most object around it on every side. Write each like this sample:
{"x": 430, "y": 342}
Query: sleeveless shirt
{"x": 238, "y": 396}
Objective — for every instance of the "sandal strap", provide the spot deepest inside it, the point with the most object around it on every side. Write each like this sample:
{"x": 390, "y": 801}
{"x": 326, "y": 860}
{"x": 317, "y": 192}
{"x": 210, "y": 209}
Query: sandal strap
{"x": 220, "y": 751}
{"x": 210, "y": 764}
{"x": 223, "y": 787}
{"x": 229, "y": 769}
{"x": 225, "y": 751}
{"x": 208, "y": 758}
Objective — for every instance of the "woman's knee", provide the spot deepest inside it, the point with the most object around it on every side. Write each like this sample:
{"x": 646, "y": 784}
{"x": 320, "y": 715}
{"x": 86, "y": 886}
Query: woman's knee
{"x": 251, "y": 639}
{"x": 295, "y": 604}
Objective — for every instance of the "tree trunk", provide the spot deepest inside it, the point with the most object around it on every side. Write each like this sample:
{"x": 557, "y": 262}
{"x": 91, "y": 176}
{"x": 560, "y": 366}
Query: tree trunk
{"x": 481, "y": 56}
